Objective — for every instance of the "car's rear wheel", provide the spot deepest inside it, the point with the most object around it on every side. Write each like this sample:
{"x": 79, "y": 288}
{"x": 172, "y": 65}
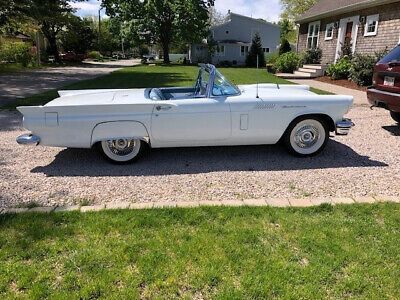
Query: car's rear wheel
{"x": 306, "y": 137}
{"x": 122, "y": 151}
{"x": 395, "y": 116}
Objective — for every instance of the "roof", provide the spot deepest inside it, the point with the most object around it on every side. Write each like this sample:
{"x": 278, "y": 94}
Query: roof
{"x": 327, "y": 8}
{"x": 18, "y": 35}
{"x": 231, "y": 14}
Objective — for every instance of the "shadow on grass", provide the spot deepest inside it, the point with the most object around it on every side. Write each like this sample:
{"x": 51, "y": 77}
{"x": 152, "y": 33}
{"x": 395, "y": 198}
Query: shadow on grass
{"x": 81, "y": 162}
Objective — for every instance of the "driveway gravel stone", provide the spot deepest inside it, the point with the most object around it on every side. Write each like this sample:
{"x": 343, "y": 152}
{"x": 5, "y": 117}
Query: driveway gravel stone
{"x": 364, "y": 164}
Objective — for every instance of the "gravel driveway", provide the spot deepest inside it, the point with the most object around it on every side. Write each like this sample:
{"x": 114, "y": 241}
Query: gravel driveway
{"x": 367, "y": 162}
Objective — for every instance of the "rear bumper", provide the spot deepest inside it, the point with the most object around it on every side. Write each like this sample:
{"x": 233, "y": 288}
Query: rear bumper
{"x": 383, "y": 99}
{"x": 343, "y": 127}
{"x": 28, "y": 139}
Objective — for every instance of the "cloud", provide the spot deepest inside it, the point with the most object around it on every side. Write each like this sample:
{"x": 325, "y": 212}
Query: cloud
{"x": 87, "y": 8}
{"x": 269, "y": 10}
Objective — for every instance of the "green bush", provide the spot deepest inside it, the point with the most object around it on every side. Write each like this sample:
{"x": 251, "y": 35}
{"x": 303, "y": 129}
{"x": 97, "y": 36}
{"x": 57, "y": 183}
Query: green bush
{"x": 272, "y": 58}
{"x": 362, "y": 69}
{"x": 287, "y": 63}
{"x": 311, "y": 56}
{"x": 94, "y": 55}
{"x": 285, "y": 46}
{"x": 339, "y": 70}
{"x": 18, "y": 52}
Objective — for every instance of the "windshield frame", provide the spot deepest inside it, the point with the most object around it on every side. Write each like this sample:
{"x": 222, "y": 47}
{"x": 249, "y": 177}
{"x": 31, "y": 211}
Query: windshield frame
{"x": 212, "y": 70}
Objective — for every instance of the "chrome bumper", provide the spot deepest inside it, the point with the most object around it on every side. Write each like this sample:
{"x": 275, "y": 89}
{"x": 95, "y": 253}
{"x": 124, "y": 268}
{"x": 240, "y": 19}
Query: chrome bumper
{"x": 343, "y": 127}
{"x": 28, "y": 139}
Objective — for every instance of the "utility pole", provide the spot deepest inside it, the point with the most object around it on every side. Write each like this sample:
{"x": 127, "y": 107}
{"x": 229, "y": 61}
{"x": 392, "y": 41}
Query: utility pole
{"x": 99, "y": 32}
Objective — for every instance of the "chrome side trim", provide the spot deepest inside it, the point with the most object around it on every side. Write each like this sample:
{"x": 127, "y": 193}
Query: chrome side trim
{"x": 343, "y": 127}
{"x": 383, "y": 92}
{"x": 28, "y": 139}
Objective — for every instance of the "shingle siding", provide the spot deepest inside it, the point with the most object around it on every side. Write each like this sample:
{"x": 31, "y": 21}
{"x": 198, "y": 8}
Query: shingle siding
{"x": 388, "y": 33}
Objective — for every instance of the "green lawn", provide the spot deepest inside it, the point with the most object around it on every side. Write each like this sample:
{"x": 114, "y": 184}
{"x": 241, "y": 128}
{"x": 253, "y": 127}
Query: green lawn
{"x": 225, "y": 253}
{"x": 155, "y": 76}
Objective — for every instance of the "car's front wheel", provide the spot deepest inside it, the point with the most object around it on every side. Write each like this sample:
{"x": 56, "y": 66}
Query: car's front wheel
{"x": 306, "y": 137}
{"x": 395, "y": 116}
{"x": 122, "y": 150}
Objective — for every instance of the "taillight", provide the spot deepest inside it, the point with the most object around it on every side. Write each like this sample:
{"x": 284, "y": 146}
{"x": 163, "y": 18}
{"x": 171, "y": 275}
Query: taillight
{"x": 375, "y": 78}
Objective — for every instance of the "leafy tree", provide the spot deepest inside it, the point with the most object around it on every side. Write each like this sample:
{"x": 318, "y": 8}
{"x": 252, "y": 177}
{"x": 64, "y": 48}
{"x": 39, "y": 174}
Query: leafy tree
{"x": 285, "y": 46}
{"x": 215, "y": 17}
{"x": 256, "y": 51}
{"x": 78, "y": 35}
{"x": 294, "y": 8}
{"x": 162, "y": 21}
{"x": 288, "y": 31}
{"x": 51, "y": 15}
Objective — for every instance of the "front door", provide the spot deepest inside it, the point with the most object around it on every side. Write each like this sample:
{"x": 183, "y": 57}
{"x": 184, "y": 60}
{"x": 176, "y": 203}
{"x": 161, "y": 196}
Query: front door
{"x": 349, "y": 30}
{"x": 194, "y": 121}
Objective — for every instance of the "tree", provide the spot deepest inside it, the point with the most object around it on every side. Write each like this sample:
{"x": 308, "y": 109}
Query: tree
{"x": 162, "y": 21}
{"x": 256, "y": 51}
{"x": 288, "y": 30}
{"x": 292, "y": 9}
{"x": 285, "y": 46}
{"x": 51, "y": 15}
{"x": 215, "y": 17}
{"x": 78, "y": 36}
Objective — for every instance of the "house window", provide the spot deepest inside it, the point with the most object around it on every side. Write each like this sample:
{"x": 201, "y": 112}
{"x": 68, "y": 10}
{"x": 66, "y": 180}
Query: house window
{"x": 244, "y": 50}
{"x": 329, "y": 32}
{"x": 266, "y": 50}
{"x": 371, "y": 27}
{"x": 220, "y": 50}
{"x": 227, "y": 32}
{"x": 313, "y": 34}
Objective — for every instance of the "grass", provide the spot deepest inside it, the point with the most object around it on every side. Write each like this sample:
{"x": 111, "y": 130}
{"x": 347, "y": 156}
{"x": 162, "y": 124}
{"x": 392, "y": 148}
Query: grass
{"x": 154, "y": 76}
{"x": 208, "y": 252}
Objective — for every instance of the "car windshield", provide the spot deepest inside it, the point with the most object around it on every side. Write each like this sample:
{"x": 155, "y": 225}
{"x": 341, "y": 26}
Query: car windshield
{"x": 223, "y": 87}
{"x": 393, "y": 56}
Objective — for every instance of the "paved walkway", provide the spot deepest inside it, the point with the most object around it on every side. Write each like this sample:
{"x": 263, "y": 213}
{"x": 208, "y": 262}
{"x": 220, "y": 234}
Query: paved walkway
{"x": 360, "y": 98}
{"x": 282, "y": 202}
{"x": 22, "y": 84}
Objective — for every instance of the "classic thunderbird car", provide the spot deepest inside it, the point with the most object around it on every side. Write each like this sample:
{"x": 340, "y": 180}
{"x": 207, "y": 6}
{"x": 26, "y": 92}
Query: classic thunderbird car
{"x": 214, "y": 112}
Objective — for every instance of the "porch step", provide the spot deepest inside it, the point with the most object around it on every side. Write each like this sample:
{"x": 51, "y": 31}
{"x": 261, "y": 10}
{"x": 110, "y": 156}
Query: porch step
{"x": 296, "y": 75}
{"x": 304, "y": 74}
{"x": 314, "y": 67}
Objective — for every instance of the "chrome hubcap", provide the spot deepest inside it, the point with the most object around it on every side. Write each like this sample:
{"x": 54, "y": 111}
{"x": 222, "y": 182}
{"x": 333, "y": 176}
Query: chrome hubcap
{"x": 121, "y": 147}
{"x": 306, "y": 136}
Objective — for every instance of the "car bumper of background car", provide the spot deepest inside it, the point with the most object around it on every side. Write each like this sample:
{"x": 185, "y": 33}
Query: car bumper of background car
{"x": 383, "y": 99}
{"x": 28, "y": 139}
{"x": 343, "y": 127}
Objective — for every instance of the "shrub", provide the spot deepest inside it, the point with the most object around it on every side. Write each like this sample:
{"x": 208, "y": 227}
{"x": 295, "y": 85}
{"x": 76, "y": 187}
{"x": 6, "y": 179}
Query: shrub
{"x": 285, "y": 47}
{"x": 362, "y": 69}
{"x": 94, "y": 55}
{"x": 272, "y": 58}
{"x": 18, "y": 52}
{"x": 256, "y": 51}
{"x": 339, "y": 70}
{"x": 287, "y": 62}
{"x": 312, "y": 56}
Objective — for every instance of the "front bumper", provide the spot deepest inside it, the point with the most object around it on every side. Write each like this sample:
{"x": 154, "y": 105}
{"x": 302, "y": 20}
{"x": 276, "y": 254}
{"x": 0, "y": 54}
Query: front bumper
{"x": 28, "y": 139}
{"x": 343, "y": 127}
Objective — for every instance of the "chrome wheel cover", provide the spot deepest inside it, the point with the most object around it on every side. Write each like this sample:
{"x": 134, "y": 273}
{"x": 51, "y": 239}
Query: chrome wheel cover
{"x": 307, "y": 137}
{"x": 122, "y": 149}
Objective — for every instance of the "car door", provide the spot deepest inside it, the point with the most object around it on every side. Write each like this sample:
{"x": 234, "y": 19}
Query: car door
{"x": 195, "y": 121}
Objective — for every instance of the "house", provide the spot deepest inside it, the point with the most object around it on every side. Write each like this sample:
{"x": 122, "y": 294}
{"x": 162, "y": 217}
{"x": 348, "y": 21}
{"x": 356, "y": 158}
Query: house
{"x": 18, "y": 37}
{"x": 234, "y": 39}
{"x": 365, "y": 25}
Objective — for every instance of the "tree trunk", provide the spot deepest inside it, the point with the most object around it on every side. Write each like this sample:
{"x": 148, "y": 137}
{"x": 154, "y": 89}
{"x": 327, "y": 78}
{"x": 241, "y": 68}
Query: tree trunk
{"x": 165, "y": 46}
{"x": 53, "y": 48}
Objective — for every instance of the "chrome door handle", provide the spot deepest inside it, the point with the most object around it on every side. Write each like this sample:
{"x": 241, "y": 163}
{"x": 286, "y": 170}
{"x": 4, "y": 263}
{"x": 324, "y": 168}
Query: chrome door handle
{"x": 163, "y": 108}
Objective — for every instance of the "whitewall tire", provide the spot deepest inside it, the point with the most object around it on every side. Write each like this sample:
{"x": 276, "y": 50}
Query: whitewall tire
{"x": 307, "y": 137}
{"x": 122, "y": 150}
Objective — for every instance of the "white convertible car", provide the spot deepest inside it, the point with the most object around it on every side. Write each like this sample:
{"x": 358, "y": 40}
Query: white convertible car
{"x": 214, "y": 112}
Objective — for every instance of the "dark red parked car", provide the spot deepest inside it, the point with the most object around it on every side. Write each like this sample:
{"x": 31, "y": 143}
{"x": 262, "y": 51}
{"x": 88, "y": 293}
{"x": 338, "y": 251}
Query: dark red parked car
{"x": 385, "y": 91}
{"x": 72, "y": 56}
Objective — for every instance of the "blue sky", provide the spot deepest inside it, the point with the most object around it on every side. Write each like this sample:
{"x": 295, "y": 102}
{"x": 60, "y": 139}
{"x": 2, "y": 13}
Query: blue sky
{"x": 266, "y": 9}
